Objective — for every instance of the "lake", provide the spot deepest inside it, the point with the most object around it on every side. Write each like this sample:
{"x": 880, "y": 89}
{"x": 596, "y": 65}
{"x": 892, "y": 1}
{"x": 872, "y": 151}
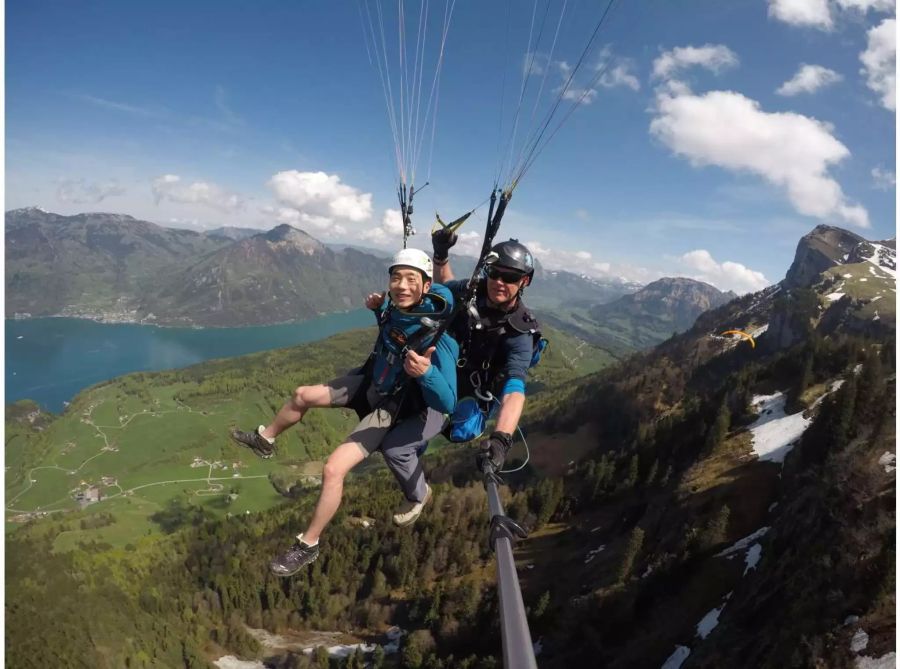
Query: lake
{"x": 49, "y": 360}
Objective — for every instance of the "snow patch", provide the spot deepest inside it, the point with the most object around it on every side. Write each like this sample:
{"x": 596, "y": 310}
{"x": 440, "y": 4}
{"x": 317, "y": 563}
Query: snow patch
{"x": 711, "y": 620}
{"x": 775, "y": 432}
{"x": 752, "y": 557}
{"x": 833, "y": 297}
{"x": 876, "y": 317}
{"x": 888, "y": 461}
{"x": 851, "y": 619}
{"x": 888, "y": 661}
{"x": 772, "y": 506}
{"x": 876, "y": 298}
{"x": 859, "y": 641}
{"x": 864, "y": 279}
{"x": 848, "y": 276}
{"x": 677, "y": 658}
{"x": 885, "y": 259}
{"x": 348, "y": 650}
{"x": 231, "y": 662}
{"x": 744, "y": 543}
{"x": 592, "y": 554}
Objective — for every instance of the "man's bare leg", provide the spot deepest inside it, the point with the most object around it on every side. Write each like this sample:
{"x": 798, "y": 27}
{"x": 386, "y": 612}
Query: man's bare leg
{"x": 304, "y": 398}
{"x": 344, "y": 458}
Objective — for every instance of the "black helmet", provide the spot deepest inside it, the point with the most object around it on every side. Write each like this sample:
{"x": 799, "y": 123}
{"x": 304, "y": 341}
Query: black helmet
{"x": 513, "y": 255}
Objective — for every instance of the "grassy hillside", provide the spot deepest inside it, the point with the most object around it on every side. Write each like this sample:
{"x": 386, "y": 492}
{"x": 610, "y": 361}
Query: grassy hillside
{"x": 144, "y": 440}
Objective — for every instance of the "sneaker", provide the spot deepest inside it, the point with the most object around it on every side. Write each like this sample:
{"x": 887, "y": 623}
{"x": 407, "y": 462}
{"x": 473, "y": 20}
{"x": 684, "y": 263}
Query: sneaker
{"x": 294, "y": 559}
{"x": 410, "y": 511}
{"x": 255, "y": 442}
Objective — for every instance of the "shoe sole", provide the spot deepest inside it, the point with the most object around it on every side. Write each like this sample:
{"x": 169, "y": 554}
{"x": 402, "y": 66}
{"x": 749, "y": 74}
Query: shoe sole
{"x": 256, "y": 452}
{"x": 416, "y": 517}
{"x": 296, "y": 571}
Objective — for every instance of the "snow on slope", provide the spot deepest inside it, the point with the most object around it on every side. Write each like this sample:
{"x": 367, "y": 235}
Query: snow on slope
{"x": 775, "y": 432}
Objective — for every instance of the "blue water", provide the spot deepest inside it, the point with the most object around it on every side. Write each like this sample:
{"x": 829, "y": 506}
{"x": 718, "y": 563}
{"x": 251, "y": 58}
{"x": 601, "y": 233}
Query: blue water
{"x": 49, "y": 360}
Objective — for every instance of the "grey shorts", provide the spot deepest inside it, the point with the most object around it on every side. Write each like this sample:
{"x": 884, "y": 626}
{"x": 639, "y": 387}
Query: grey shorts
{"x": 374, "y": 426}
{"x": 400, "y": 442}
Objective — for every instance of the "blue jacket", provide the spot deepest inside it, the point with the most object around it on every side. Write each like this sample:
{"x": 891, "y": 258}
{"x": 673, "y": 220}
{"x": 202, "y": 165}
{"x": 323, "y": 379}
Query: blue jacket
{"x": 438, "y": 384}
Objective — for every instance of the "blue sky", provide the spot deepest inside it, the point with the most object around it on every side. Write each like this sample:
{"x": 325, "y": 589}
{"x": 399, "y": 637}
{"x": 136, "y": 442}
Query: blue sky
{"x": 711, "y": 135}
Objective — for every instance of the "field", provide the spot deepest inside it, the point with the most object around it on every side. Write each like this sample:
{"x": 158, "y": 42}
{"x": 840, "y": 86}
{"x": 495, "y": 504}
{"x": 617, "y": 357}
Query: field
{"x": 129, "y": 453}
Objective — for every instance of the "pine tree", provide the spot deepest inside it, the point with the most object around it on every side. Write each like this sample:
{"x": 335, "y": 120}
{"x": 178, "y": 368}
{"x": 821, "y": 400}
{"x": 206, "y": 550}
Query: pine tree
{"x": 719, "y": 430}
{"x": 378, "y": 658}
{"x": 667, "y": 474}
{"x": 541, "y": 607}
{"x": 870, "y": 387}
{"x": 806, "y": 376}
{"x": 846, "y": 406}
{"x": 633, "y": 472}
{"x": 632, "y": 548}
{"x": 716, "y": 530}
{"x": 651, "y": 475}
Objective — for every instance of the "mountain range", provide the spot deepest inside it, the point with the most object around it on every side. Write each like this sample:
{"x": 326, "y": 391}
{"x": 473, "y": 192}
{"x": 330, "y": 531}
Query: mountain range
{"x": 707, "y": 502}
{"x": 116, "y": 268}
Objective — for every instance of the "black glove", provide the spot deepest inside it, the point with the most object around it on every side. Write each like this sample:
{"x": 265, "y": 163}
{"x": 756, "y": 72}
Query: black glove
{"x": 441, "y": 241}
{"x": 493, "y": 451}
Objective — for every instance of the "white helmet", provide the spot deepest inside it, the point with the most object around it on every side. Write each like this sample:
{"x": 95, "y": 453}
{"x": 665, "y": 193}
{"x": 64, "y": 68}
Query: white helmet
{"x": 413, "y": 258}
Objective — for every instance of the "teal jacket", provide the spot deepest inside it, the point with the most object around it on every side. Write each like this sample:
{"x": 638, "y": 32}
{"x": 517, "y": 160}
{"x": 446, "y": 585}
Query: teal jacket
{"x": 399, "y": 328}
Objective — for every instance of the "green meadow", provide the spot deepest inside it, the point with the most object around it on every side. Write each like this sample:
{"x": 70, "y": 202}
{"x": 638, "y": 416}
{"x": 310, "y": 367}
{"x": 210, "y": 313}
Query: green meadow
{"x": 157, "y": 444}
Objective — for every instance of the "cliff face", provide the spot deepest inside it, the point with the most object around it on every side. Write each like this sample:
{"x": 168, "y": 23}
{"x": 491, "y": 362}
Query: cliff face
{"x": 821, "y": 249}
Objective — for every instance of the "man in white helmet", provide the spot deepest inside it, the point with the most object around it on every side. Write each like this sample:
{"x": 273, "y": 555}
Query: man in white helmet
{"x": 401, "y": 395}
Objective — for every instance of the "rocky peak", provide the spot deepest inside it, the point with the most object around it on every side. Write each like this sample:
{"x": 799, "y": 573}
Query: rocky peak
{"x": 285, "y": 235}
{"x": 695, "y": 292}
{"x": 824, "y": 247}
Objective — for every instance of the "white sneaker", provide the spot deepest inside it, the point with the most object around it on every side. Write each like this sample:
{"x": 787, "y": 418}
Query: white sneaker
{"x": 410, "y": 511}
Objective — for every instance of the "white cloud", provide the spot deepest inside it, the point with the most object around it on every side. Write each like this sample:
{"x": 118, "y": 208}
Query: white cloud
{"x": 866, "y": 5}
{"x": 535, "y": 62}
{"x": 389, "y": 233}
{"x": 879, "y": 62}
{"x": 299, "y": 219}
{"x": 610, "y": 71}
{"x": 468, "y": 243}
{"x": 809, "y": 79}
{"x": 392, "y": 222}
{"x": 582, "y": 214}
{"x": 583, "y": 262}
{"x": 818, "y": 13}
{"x": 884, "y": 179}
{"x": 619, "y": 75}
{"x": 170, "y": 187}
{"x": 729, "y": 130}
{"x": 807, "y": 13}
{"x": 321, "y": 196}
{"x": 724, "y": 276}
{"x": 715, "y": 57}
{"x": 146, "y": 112}
{"x": 79, "y": 191}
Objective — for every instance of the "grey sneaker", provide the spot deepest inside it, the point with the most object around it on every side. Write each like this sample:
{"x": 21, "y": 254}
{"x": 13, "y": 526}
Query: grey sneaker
{"x": 255, "y": 442}
{"x": 410, "y": 511}
{"x": 294, "y": 559}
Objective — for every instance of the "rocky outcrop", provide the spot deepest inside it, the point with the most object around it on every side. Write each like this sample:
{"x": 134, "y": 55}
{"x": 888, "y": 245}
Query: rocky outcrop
{"x": 824, "y": 247}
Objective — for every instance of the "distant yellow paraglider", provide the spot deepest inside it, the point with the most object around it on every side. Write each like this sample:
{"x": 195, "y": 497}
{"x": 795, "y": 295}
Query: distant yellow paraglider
{"x": 742, "y": 334}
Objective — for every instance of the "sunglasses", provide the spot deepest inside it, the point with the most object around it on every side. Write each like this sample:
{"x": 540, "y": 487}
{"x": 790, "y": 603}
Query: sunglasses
{"x": 508, "y": 276}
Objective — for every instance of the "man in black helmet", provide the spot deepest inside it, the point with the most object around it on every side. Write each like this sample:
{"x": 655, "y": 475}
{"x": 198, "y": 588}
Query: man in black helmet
{"x": 499, "y": 340}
